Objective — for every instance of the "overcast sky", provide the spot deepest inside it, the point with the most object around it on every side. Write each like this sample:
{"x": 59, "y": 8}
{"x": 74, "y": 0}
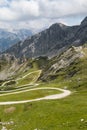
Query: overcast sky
{"x": 39, "y": 14}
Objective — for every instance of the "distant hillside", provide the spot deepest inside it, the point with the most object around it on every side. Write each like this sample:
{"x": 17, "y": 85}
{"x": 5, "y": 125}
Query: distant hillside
{"x": 9, "y": 38}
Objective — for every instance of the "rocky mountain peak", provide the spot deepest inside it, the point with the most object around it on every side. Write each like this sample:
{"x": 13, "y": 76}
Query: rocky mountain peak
{"x": 51, "y": 41}
{"x": 84, "y": 21}
{"x": 58, "y": 26}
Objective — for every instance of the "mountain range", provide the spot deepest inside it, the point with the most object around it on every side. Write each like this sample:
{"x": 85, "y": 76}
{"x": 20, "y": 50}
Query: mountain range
{"x": 37, "y": 70}
{"x": 55, "y": 48}
{"x": 51, "y": 41}
{"x": 11, "y": 37}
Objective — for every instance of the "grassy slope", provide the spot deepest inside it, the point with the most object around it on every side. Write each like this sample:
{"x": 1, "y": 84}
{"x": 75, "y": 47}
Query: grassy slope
{"x": 28, "y": 95}
{"x": 64, "y": 114}
{"x": 73, "y": 77}
{"x": 26, "y": 79}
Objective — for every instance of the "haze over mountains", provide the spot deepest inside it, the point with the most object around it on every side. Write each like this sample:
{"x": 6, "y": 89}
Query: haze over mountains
{"x": 51, "y": 41}
{"x": 11, "y": 37}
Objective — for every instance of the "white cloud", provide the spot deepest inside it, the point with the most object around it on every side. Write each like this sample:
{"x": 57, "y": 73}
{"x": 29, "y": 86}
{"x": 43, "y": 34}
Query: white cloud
{"x": 39, "y": 13}
{"x": 25, "y": 9}
{"x": 60, "y": 8}
{"x": 19, "y": 10}
{"x": 3, "y": 2}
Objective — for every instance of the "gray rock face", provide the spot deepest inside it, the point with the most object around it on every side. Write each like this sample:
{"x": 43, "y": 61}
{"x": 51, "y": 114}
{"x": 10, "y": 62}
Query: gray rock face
{"x": 50, "y": 41}
{"x": 84, "y": 21}
{"x": 43, "y": 42}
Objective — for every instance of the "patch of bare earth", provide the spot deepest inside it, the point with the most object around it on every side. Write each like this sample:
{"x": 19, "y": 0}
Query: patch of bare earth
{"x": 9, "y": 110}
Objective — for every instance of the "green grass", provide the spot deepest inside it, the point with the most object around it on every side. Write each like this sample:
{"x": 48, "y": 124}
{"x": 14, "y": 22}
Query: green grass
{"x": 73, "y": 77}
{"x": 31, "y": 78}
{"x": 28, "y": 95}
{"x": 64, "y": 114}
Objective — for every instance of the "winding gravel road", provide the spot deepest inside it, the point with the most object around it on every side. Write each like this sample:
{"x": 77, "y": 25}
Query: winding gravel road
{"x": 25, "y": 77}
{"x": 50, "y": 97}
{"x": 64, "y": 93}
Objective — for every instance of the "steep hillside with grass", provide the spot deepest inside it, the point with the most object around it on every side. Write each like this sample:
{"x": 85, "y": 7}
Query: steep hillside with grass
{"x": 69, "y": 67}
{"x": 67, "y": 71}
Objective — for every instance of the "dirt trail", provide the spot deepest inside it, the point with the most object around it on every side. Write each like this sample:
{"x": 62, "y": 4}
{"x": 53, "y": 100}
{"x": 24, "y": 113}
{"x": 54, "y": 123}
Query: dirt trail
{"x": 50, "y": 97}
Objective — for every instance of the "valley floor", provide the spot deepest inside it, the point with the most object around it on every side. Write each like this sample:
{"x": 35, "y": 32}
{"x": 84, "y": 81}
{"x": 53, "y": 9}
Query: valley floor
{"x": 19, "y": 109}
